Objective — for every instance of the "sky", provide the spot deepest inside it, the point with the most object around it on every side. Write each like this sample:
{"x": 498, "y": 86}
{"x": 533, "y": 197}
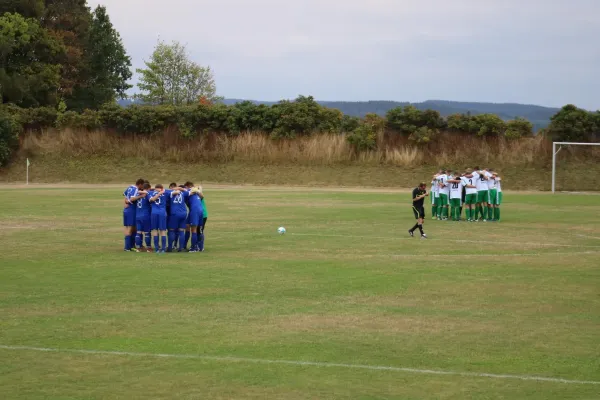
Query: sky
{"x": 543, "y": 52}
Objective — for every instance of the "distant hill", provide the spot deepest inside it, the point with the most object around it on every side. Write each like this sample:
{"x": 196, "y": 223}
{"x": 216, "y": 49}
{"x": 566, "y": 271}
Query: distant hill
{"x": 539, "y": 116}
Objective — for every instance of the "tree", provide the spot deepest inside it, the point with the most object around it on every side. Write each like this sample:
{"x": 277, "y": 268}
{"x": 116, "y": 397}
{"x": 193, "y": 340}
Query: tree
{"x": 29, "y": 63}
{"x": 69, "y": 22}
{"x": 170, "y": 77}
{"x": 107, "y": 65}
{"x": 572, "y": 124}
{"x": 27, "y": 8}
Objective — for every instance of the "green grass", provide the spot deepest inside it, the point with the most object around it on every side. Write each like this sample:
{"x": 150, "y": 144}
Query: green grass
{"x": 345, "y": 285}
{"x": 59, "y": 168}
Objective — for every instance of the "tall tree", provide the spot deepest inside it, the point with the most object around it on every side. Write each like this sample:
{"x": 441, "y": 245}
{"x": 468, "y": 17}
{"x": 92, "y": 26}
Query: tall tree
{"x": 69, "y": 22}
{"x": 27, "y": 8}
{"x": 170, "y": 77}
{"x": 107, "y": 65}
{"x": 29, "y": 62}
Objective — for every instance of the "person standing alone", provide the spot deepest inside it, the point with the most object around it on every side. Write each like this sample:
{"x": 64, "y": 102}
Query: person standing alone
{"x": 418, "y": 198}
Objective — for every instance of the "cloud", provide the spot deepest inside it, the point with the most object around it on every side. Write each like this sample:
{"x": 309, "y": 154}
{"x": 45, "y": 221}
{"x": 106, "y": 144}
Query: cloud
{"x": 534, "y": 51}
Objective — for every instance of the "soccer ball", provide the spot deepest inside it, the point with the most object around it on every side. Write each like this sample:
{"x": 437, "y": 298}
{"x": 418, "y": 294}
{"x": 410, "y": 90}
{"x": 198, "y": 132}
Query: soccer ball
{"x": 281, "y": 230}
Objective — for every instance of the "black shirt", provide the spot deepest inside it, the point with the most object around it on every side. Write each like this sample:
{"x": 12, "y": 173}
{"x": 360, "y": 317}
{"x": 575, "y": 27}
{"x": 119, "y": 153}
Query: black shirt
{"x": 418, "y": 192}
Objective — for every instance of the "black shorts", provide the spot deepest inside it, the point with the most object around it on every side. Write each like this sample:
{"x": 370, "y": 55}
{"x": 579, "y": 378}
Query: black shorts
{"x": 419, "y": 212}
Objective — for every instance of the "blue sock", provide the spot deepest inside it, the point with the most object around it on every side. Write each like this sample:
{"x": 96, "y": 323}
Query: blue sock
{"x": 148, "y": 239}
{"x": 171, "y": 239}
{"x": 127, "y": 243}
{"x": 194, "y": 240}
{"x": 163, "y": 240}
{"x": 187, "y": 238}
{"x": 138, "y": 240}
{"x": 201, "y": 241}
{"x": 156, "y": 243}
{"x": 181, "y": 240}
{"x": 176, "y": 240}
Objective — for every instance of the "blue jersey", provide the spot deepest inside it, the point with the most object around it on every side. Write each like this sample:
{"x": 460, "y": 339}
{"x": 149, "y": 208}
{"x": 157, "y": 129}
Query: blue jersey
{"x": 195, "y": 203}
{"x": 130, "y": 192}
{"x": 159, "y": 207}
{"x": 144, "y": 207}
{"x": 177, "y": 203}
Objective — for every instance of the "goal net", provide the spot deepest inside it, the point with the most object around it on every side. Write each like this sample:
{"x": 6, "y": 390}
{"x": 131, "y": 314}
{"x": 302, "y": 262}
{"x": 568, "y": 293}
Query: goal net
{"x": 556, "y": 148}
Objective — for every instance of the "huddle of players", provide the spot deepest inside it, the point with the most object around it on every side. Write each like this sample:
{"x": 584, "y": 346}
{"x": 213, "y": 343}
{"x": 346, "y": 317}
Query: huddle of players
{"x": 152, "y": 212}
{"x": 480, "y": 191}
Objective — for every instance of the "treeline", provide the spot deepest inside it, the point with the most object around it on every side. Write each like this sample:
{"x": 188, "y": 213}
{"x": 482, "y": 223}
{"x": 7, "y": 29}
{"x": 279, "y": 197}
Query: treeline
{"x": 287, "y": 120}
{"x": 60, "y": 52}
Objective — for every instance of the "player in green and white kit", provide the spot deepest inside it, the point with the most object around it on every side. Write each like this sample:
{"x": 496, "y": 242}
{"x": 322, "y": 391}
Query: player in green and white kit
{"x": 492, "y": 193}
{"x": 468, "y": 181}
{"x": 496, "y": 196}
{"x": 456, "y": 187}
{"x": 443, "y": 195}
{"x": 481, "y": 178}
{"x": 434, "y": 196}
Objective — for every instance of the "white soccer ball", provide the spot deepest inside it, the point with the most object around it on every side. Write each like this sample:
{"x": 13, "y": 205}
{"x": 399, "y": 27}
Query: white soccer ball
{"x": 281, "y": 230}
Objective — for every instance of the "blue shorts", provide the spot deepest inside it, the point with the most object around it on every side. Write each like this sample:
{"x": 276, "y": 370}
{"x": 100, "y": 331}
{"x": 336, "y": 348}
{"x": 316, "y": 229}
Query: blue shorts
{"x": 177, "y": 221}
{"x": 158, "y": 222}
{"x": 129, "y": 217}
{"x": 143, "y": 224}
{"x": 195, "y": 218}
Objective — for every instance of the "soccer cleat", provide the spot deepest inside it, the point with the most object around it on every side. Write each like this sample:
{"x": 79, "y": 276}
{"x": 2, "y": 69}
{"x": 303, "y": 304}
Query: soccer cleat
{"x": 126, "y": 250}
{"x": 411, "y": 233}
{"x": 434, "y": 218}
{"x": 134, "y": 250}
{"x": 423, "y": 236}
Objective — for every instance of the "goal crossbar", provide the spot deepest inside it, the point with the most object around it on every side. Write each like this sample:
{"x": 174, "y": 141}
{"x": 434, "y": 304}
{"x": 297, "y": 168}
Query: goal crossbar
{"x": 555, "y": 152}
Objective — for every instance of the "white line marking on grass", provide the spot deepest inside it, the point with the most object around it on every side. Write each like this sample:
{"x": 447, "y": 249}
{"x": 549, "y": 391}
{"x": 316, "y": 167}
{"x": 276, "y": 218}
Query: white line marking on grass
{"x": 587, "y": 237}
{"x": 303, "y": 363}
{"x": 475, "y": 241}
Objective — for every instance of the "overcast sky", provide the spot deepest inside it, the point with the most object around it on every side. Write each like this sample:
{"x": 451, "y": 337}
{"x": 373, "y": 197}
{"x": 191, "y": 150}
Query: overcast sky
{"x": 543, "y": 52}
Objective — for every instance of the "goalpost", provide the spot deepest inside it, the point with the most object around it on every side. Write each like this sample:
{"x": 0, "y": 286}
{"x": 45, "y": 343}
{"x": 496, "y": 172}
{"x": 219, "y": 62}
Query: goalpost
{"x": 555, "y": 152}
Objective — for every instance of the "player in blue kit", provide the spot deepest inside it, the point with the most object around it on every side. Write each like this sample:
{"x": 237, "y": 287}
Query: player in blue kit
{"x": 188, "y": 186}
{"x": 131, "y": 195}
{"x": 177, "y": 218}
{"x": 195, "y": 217}
{"x": 172, "y": 186}
{"x": 142, "y": 219}
{"x": 158, "y": 216}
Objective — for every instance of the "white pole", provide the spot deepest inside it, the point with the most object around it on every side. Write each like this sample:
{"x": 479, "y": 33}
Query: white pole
{"x": 27, "y": 175}
{"x": 553, "y": 166}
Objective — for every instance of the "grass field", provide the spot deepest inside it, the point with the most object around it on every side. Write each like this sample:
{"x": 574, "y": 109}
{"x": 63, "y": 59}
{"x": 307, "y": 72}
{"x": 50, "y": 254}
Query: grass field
{"x": 342, "y": 296}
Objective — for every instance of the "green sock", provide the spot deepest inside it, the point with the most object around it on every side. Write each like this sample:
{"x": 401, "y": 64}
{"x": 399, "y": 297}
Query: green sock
{"x": 453, "y": 213}
{"x": 457, "y": 213}
{"x": 490, "y": 212}
{"x": 433, "y": 211}
{"x": 497, "y": 211}
{"x": 468, "y": 213}
{"x": 446, "y": 212}
{"x": 481, "y": 212}
{"x": 475, "y": 214}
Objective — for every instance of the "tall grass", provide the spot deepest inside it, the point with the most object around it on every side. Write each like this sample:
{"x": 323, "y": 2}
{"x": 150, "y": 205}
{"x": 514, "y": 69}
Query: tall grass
{"x": 323, "y": 149}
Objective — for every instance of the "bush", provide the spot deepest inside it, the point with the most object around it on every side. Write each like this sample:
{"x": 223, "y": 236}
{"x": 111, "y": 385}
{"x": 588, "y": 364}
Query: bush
{"x": 363, "y": 138}
{"x": 518, "y": 128}
{"x": 409, "y": 119}
{"x": 9, "y": 136}
{"x": 489, "y": 125}
{"x": 462, "y": 123}
{"x": 423, "y": 135}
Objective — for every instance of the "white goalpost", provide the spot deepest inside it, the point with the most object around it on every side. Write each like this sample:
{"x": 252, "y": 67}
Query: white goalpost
{"x": 555, "y": 152}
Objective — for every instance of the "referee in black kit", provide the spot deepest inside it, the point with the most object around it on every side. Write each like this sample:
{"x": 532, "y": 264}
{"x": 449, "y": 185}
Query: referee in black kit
{"x": 418, "y": 196}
